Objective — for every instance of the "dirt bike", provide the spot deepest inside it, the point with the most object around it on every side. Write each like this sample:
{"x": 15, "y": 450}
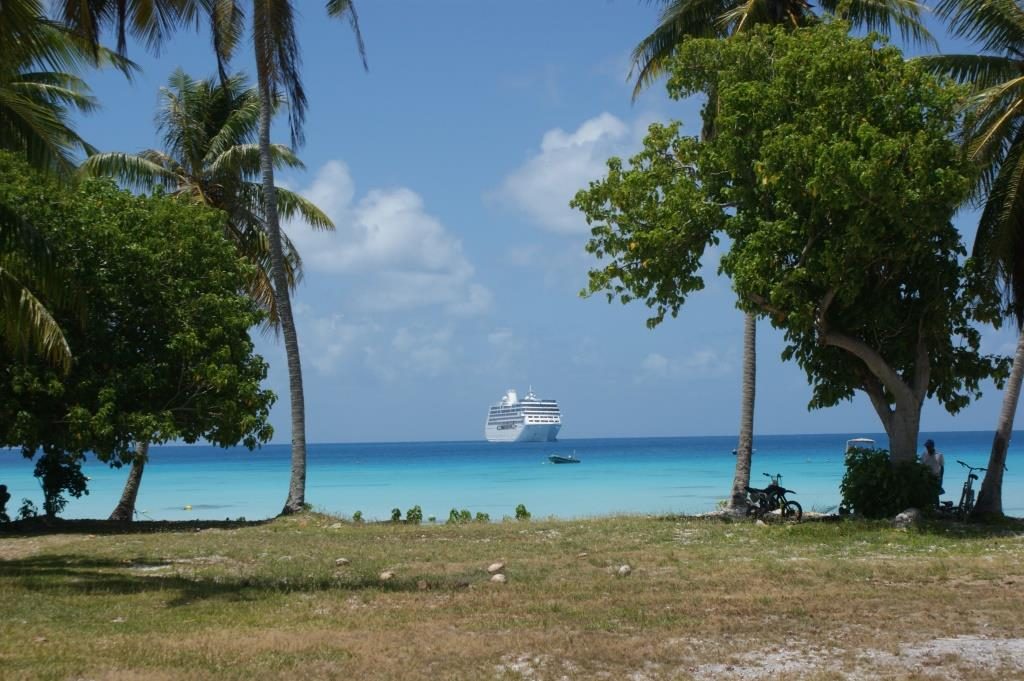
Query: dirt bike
{"x": 761, "y": 502}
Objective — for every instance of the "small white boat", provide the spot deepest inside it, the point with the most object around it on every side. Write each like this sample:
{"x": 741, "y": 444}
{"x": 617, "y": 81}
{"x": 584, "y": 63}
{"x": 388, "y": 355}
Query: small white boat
{"x": 859, "y": 443}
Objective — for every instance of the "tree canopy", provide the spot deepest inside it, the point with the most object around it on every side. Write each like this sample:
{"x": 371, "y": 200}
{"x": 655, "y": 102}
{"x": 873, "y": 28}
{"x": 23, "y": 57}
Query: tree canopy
{"x": 163, "y": 352}
{"x": 834, "y": 174}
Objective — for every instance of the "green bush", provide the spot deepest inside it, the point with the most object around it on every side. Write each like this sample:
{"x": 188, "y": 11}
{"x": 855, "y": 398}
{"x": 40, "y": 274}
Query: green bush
{"x": 414, "y": 515}
{"x": 396, "y": 515}
{"x": 60, "y": 472}
{"x": 875, "y": 488}
{"x": 482, "y": 517}
{"x": 357, "y": 517}
{"x": 522, "y": 513}
{"x": 27, "y": 510}
{"x": 456, "y": 517}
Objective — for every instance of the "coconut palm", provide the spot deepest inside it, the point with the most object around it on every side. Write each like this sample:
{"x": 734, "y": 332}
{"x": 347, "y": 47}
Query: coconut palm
{"x": 39, "y": 89}
{"x": 994, "y": 138}
{"x": 278, "y": 58}
{"x": 682, "y": 19}
{"x": 209, "y": 156}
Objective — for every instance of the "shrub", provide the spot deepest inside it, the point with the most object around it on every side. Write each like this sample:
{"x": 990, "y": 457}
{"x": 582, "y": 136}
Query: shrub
{"x": 357, "y": 517}
{"x": 60, "y": 472}
{"x": 455, "y": 516}
{"x": 522, "y": 513}
{"x": 27, "y": 510}
{"x": 875, "y": 488}
{"x": 396, "y": 515}
{"x": 414, "y": 515}
{"x": 432, "y": 519}
{"x": 482, "y": 517}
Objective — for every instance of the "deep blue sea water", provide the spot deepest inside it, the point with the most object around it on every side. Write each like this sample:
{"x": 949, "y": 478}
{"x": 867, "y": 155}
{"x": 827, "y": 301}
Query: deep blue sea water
{"x": 621, "y": 475}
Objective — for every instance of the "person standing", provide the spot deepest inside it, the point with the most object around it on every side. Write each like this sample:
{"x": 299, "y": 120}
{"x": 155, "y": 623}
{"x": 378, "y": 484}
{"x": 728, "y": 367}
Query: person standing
{"x": 935, "y": 462}
{"x": 5, "y": 496}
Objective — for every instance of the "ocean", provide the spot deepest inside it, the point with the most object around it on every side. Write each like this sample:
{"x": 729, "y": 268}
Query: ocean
{"x": 617, "y": 475}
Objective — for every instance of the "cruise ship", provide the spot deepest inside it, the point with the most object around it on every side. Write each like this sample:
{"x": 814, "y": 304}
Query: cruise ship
{"x": 523, "y": 420}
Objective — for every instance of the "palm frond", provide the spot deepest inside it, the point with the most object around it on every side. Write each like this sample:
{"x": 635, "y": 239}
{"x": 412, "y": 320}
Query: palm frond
{"x": 138, "y": 172}
{"x": 905, "y": 17}
{"x": 679, "y": 20}
{"x": 291, "y": 205}
{"x": 347, "y": 8}
{"x": 979, "y": 70}
{"x": 997, "y": 25}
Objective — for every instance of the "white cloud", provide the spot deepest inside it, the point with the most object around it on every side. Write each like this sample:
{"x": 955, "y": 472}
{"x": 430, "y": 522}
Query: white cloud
{"x": 566, "y": 162}
{"x": 403, "y": 255}
{"x": 425, "y": 351}
{"x": 704, "y": 363}
{"x": 332, "y": 340}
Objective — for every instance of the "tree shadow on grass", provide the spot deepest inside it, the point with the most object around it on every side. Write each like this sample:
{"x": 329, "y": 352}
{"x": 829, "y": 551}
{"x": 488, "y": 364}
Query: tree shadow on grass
{"x": 61, "y": 573}
{"x": 40, "y": 526}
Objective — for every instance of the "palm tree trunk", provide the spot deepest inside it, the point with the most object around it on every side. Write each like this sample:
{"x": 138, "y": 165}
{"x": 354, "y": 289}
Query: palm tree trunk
{"x": 745, "y": 448}
{"x": 990, "y": 498}
{"x": 125, "y": 509}
{"x": 297, "y": 486}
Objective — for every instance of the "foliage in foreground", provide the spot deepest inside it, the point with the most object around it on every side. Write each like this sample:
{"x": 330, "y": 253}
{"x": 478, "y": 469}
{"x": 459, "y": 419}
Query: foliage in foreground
{"x": 874, "y": 487}
{"x": 163, "y": 352}
{"x": 834, "y": 175}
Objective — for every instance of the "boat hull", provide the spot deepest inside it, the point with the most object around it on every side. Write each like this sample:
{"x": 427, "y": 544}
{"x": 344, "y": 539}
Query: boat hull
{"x": 547, "y": 432}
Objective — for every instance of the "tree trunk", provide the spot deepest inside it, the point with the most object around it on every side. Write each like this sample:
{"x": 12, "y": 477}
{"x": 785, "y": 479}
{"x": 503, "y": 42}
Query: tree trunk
{"x": 125, "y": 509}
{"x": 990, "y": 498}
{"x": 297, "y": 486}
{"x": 903, "y": 429}
{"x": 745, "y": 448}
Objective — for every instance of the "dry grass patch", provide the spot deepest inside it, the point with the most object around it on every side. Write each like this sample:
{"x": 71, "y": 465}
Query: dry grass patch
{"x": 705, "y": 599}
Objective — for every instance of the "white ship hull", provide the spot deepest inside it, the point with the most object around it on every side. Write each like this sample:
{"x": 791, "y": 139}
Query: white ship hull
{"x": 518, "y": 432}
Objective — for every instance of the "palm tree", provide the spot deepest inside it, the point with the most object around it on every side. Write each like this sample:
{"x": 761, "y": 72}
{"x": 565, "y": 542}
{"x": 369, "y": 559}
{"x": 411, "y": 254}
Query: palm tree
{"x": 683, "y": 19}
{"x": 994, "y": 138}
{"x": 39, "y": 89}
{"x": 278, "y": 61}
{"x": 208, "y": 130}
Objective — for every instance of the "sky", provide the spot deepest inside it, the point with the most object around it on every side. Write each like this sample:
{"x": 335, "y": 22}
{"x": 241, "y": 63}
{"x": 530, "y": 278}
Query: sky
{"x": 455, "y": 269}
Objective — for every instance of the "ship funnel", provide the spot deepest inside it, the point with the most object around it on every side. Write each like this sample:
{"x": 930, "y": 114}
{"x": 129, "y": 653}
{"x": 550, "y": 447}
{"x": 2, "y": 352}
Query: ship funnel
{"x": 511, "y": 397}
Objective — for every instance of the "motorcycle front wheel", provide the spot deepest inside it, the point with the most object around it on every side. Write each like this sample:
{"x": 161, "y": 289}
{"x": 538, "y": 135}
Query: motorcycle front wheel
{"x": 792, "y": 511}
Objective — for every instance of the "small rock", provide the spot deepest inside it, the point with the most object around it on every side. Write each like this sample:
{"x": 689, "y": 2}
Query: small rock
{"x": 624, "y": 571}
{"x": 40, "y": 639}
{"x": 499, "y": 578}
{"x": 422, "y": 585}
{"x": 335, "y": 526}
{"x": 118, "y": 620}
{"x": 760, "y": 523}
{"x": 909, "y": 518}
{"x": 341, "y": 561}
{"x": 387, "y": 575}
{"x": 584, "y": 554}
{"x": 496, "y": 567}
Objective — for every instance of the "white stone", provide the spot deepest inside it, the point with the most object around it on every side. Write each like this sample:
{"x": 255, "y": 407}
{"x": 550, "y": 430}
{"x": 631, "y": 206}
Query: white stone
{"x": 908, "y": 518}
{"x": 499, "y": 578}
{"x": 387, "y": 575}
{"x": 624, "y": 571}
{"x": 496, "y": 567}
{"x": 341, "y": 561}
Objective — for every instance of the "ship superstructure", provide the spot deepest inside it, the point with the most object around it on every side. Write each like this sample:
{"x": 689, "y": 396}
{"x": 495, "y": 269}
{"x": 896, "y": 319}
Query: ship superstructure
{"x": 523, "y": 420}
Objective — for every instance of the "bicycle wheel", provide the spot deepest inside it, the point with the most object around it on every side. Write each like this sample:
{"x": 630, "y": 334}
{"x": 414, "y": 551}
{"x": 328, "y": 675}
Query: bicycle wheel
{"x": 792, "y": 511}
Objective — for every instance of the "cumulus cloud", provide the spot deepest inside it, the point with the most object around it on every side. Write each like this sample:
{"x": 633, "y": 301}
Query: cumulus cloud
{"x": 566, "y": 161}
{"x": 333, "y": 340}
{"x": 404, "y": 256}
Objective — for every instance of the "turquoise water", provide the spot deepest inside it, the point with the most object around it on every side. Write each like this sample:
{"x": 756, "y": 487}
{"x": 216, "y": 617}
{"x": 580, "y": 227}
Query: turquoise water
{"x": 622, "y": 475}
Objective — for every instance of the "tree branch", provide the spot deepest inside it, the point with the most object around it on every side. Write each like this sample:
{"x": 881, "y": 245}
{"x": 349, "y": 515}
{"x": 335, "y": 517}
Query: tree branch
{"x": 874, "y": 361}
{"x": 873, "y": 387}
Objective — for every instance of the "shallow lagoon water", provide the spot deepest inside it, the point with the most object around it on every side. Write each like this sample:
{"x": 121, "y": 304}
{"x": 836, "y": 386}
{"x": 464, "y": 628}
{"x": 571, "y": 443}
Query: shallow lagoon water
{"x": 617, "y": 475}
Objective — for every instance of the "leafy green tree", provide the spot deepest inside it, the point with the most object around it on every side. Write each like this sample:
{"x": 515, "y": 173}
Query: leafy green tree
{"x": 210, "y": 157}
{"x": 834, "y": 174}
{"x": 994, "y": 139}
{"x": 686, "y": 19}
{"x": 278, "y": 61}
{"x": 164, "y": 351}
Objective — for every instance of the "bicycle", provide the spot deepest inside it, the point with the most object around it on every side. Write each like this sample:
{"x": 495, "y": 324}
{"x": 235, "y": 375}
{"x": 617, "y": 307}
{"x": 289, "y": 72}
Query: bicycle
{"x": 761, "y": 502}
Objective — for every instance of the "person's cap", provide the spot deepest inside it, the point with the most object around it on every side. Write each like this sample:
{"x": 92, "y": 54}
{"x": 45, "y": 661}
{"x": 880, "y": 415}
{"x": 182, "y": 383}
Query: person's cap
{"x": 929, "y": 443}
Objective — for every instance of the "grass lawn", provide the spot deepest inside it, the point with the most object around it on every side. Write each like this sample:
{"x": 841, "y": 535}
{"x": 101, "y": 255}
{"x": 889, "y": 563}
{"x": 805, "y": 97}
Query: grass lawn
{"x": 705, "y": 599}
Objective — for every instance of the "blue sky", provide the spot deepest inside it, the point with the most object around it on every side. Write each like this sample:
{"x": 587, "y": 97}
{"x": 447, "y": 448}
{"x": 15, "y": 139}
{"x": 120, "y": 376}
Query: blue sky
{"x": 455, "y": 268}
